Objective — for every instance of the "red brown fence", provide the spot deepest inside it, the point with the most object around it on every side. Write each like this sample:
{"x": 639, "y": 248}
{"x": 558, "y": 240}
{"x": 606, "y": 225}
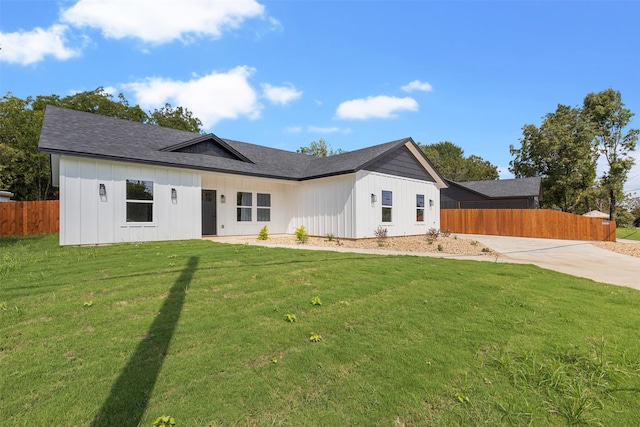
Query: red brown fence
{"x": 542, "y": 223}
{"x": 23, "y": 218}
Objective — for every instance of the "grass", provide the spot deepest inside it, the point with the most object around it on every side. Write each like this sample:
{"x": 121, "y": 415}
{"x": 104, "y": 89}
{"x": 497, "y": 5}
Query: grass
{"x": 628, "y": 233}
{"x": 123, "y": 334}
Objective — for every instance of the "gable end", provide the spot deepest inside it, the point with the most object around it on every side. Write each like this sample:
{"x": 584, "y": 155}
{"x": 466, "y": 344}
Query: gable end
{"x": 401, "y": 162}
{"x": 209, "y": 145}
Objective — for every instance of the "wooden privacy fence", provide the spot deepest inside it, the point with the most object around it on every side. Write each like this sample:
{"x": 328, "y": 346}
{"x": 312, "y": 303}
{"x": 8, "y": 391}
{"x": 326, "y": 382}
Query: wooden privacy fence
{"x": 542, "y": 223}
{"x": 23, "y": 218}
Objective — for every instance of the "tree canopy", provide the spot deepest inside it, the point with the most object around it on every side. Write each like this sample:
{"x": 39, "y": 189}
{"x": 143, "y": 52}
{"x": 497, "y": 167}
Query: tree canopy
{"x": 560, "y": 151}
{"x": 450, "y": 162}
{"x": 25, "y": 171}
{"x": 320, "y": 148}
{"x": 565, "y": 149}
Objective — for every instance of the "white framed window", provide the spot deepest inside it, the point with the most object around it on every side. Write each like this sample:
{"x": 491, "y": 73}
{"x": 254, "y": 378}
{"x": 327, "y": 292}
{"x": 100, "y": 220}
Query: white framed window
{"x": 244, "y": 203}
{"x": 387, "y": 206}
{"x": 419, "y": 207}
{"x": 139, "y": 200}
{"x": 264, "y": 207}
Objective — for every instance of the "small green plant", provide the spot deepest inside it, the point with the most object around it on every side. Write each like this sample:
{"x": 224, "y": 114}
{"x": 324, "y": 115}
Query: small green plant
{"x": 446, "y": 232}
{"x": 474, "y": 243}
{"x": 264, "y": 233}
{"x": 316, "y": 301}
{"x": 313, "y": 337}
{"x": 87, "y": 304}
{"x": 440, "y": 248}
{"x": 290, "y": 317}
{"x": 301, "y": 234}
{"x": 330, "y": 237}
{"x": 164, "y": 421}
{"x": 486, "y": 250}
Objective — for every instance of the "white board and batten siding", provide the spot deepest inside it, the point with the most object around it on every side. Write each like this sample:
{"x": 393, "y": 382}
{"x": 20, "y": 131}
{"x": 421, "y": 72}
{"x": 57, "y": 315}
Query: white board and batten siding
{"x": 86, "y": 217}
{"x": 404, "y": 191}
{"x": 227, "y": 185}
{"x": 324, "y": 206}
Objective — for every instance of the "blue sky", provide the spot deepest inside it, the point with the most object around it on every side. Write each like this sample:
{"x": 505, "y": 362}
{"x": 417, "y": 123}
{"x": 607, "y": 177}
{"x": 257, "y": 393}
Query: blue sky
{"x": 355, "y": 73}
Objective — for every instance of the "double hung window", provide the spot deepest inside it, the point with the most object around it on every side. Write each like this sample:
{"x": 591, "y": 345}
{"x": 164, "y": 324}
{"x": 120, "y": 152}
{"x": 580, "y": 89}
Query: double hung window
{"x": 420, "y": 207}
{"x": 264, "y": 207}
{"x": 244, "y": 203}
{"x": 387, "y": 203}
{"x": 139, "y": 201}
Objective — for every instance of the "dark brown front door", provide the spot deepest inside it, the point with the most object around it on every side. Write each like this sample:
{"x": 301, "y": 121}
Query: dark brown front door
{"x": 209, "y": 213}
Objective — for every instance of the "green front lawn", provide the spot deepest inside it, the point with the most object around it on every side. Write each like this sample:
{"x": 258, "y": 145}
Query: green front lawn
{"x": 227, "y": 335}
{"x": 628, "y": 233}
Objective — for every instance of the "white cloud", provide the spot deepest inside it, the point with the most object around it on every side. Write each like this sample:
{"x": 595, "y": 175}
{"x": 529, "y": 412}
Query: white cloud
{"x": 417, "y": 85}
{"x": 211, "y": 98}
{"x": 28, "y": 47}
{"x": 381, "y": 107}
{"x": 161, "y": 21}
{"x": 293, "y": 129}
{"x": 280, "y": 95}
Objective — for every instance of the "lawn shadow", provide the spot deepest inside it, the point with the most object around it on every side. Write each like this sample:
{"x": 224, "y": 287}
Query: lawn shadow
{"x": 130, "y": 394}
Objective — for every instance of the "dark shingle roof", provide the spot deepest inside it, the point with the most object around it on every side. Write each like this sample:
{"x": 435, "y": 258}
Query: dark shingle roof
{"x": 85, "y": 134}
{"x": 503, "y": 188}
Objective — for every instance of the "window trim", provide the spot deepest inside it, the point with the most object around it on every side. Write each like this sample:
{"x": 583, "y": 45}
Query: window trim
{"x": 129, "y": 201}
{"x": 241, "y": 207}
{"x": 387, "y": 206}
{"x": 420, "y": 208}
{"x": 263, "y": 208}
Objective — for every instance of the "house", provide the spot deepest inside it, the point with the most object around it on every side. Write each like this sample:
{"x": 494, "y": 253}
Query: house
{"x": 519, "y": 193}
{"x": 122, "y": 181}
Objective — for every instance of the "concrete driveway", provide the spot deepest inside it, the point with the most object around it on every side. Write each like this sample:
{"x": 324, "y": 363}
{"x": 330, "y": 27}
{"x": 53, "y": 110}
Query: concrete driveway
{"x": 575, "y": 257}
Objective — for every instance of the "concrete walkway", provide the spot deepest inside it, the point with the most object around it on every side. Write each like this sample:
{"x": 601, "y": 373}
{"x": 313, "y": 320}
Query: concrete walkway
{"x": 575, "y": 257}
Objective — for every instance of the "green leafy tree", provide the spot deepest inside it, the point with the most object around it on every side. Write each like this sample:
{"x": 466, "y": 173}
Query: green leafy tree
{"x": 320, "y": 148}
{"x": 23, "y": 169}
{"x": 27, "y": 172}
{"x": 608, "y": 119}
{"x": 560, "y": 152}
{"x": 450, "y": 162}
{"x": 175, "y": 118}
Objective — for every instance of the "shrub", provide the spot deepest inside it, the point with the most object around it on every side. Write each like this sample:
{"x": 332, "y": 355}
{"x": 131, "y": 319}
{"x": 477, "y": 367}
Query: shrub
{"x": 301, "y": 234}
{"x": 264, "y": 233}
{"x": 330, "y": 237}
{"x": 432, "y": 234}
{"x": 381, "y": 234}
{"x": 446, "y": 232}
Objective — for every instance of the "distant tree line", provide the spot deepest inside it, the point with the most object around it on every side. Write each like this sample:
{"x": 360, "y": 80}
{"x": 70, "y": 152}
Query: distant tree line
{"x": 25, "y": 171}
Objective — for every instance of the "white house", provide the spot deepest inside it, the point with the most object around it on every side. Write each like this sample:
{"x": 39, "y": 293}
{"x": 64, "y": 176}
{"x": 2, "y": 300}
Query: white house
{"x": 122, "y": 181}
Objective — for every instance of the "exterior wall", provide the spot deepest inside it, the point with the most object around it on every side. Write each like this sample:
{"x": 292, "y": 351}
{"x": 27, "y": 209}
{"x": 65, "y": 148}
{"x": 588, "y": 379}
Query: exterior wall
{"x": 323, "y": 206}
{"x": 404, "y": 191}
{"x": 229, "y": 185}
{"x": 88, "y": 218}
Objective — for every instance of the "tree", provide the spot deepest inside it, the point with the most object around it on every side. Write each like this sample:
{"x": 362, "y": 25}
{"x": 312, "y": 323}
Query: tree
{"x": 608, "y": 118}
{"x": 25, "y": 171}
{"x": 320, "y": 149}
{"x": 560, "y": 152}
{"x": 175, "y": 118}
{"x": 449, "y": 161}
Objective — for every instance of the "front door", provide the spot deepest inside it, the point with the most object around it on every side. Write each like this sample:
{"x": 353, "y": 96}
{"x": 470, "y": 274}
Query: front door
{"x": 209, "y": 213}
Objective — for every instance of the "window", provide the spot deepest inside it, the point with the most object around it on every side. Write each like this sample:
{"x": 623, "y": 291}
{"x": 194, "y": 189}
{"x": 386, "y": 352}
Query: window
{"x": 387, "y": 202}
{"x": 264, "y": 207}
{"x": 244, "y": 203}
{"x": 420, "y": 207}
{"x": 139, "y": 201}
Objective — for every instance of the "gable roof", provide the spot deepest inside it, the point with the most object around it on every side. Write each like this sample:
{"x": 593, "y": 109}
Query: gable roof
{"x": 503, "y": 188}
{"x": 77, "y": 133}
